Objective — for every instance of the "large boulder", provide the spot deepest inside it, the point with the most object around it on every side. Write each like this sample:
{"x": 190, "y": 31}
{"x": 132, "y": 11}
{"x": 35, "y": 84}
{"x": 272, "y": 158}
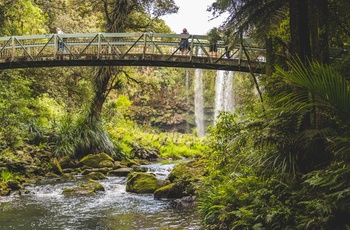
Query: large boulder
{"x": 95, "y": 176}
{"x": 129, "y": 162}
{"x": 121, "y": 172}
{"x": 66, "y": 162}
{"x": 89, "y": 188}
{"x": 56, "y": 166}
{"x": 142, "y": 183}
{"x": 172, "y": 190}
{"x": 100, "y": 160}
{"x": 184, "y": 179}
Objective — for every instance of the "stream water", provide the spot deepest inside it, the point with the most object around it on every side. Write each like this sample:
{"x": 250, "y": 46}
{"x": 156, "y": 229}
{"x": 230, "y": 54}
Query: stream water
{"x": 44, "y": 207}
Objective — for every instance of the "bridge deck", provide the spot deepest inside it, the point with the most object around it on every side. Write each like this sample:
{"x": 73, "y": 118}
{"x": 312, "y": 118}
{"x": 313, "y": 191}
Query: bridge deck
{"x": 124, "y": 49}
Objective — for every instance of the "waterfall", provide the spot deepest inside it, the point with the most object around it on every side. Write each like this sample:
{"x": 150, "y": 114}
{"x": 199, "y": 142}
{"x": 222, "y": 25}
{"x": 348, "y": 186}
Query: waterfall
{"x": 198, "y": 102}
{"x": 224, "y": 100}
{"x": 187, "y": 97}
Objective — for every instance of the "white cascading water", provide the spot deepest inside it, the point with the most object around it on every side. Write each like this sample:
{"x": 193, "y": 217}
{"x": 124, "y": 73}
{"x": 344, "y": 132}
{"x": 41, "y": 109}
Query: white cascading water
{"x": 224, "y": 100}
{"x": 198, "y": 102}
{"x": 187, "y": 96}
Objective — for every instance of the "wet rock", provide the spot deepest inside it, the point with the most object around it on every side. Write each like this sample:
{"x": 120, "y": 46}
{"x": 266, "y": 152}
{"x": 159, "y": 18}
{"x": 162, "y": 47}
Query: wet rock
{"x": 67, "y": 177}
{"x": 141, "y": 152}
{"x": 100, "y": 160}
{"x": 13, "y": 185}
{"x": 139, "y": 168}
{"x": 129, "y": 162}
{"x": 184, "y": 179}
{"x": 122, "y": 172}
{"x": 55, "y": 166}
{"x": 51, "y": 175}
{"x": 66, "y": 162}
{"x": 184, "y": 202}
{"x": 172, "y": 190}
{"x": 95, "y": 176}
{"x": 89, "y": 188}
{"x": 33, "y": 169}
{"x": 142, "y": 183}
{"x": 68, "y": 170}
{"x": 91, "y": 170}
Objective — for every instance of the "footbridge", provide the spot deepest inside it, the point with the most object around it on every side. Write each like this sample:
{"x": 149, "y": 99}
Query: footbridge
{"x": 127, "y": 49}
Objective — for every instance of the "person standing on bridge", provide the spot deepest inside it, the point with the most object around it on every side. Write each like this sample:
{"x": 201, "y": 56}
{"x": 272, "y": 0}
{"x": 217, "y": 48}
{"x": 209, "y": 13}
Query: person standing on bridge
{"x": 184, "y": 44}
{"x": 60, "y": 41}
{"x": 213, "y": 37}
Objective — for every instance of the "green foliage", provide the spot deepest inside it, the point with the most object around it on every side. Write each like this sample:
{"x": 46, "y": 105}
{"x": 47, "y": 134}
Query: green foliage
{"x": 78, "y": 137}
{"x": 179, "y": 151}
{"x": 275, "y": 172}
{"x": 6, "y": 176}
{"x": 21, "y": 17}
{"x": 17, "y": 108}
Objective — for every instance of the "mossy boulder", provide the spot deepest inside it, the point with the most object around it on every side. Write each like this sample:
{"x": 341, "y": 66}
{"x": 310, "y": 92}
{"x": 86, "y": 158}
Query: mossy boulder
{"x": 66, "y": 162}
{"x": 89, "y": 188}
{"x": 100, "y": 160}
{"x": 121, "y": 172}
{"x": 142, "y": 183}
{"x": 172, "y": 190}
{"x": 14, "y": 185}
{"x": 56, "y": 166}
{"x": 90, "y": 170}
{"x": 95, "y": 176}
{"x": 185, "y": 177}
{"x": 4, "y": 190}
{"x": 129, "y": 162}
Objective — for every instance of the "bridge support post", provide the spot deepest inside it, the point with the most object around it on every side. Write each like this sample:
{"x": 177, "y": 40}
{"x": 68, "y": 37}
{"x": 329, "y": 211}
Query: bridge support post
{"x": 191, "y": 52}
{"x": 98, "y": 45}
{"x": 240, "y": 54}
{"x": 55, "y": 46}
{"x": 13, "y": 49}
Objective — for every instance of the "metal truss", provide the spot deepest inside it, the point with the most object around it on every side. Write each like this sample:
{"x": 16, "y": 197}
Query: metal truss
{"x": 125, "y": 49}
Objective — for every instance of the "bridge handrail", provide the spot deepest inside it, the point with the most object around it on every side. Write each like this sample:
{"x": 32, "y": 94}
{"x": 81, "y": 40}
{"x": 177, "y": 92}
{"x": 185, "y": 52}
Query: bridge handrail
{"x": 112, "y": 45}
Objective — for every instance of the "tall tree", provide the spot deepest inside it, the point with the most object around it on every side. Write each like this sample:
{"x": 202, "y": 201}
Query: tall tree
{"x": 21, "y": 17}
{"x": 121, "y": 16}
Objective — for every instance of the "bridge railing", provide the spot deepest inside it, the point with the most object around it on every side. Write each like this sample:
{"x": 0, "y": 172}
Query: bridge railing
{"x": 123, "y": 46}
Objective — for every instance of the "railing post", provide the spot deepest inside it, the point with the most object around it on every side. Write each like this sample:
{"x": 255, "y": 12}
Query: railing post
{"x": 152, "y": 40}
{"x": 55, "y": 46}
{"x": 192, "y": 42}
{"x": 240, "y": 54}
{"x": 13, "y": 49}
{"x": 144, "y": 45}
{"x": 98, "y": 45}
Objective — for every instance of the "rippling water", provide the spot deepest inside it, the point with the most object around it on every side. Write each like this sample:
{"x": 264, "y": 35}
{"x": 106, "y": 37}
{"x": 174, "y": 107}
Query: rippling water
{"x": 46, "y": 208}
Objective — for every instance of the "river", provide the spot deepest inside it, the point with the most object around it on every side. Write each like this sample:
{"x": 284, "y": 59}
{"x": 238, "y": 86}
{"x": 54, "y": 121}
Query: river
{"x": 44, "y": 207}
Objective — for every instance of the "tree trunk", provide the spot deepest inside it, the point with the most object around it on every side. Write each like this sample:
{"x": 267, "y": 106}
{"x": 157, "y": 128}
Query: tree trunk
{"x": 270, "y": 57}
{"x": 116, "y": 22}
{"x": 324, "y": 31}
{"x": 314, "y": 30}
{"x": 299, "y": 28}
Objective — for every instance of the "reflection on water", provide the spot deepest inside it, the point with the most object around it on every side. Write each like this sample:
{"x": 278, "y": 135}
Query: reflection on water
{"x": 44, "y": 207}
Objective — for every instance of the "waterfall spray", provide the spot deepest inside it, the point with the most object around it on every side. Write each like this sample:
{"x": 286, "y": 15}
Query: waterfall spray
{"x": 224, "y": 100}
{"x": 198, "y": 102}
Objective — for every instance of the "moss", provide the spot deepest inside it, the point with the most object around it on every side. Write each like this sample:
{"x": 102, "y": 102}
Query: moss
{"x": 128, "y": 162}
{"x": 56, "y": 166}
{"x": 185, "y": 179}
{"x": 172, "y": 190}
{"x": 89, "y": 188}
{"x": 122, "y": 172}
{"x": 66, "y": 162}
{"x": 95, "y": 176}
{"x": 142, "y": 183}
{"x": 97, "y": 160}
{"x": 189, "y": 171}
